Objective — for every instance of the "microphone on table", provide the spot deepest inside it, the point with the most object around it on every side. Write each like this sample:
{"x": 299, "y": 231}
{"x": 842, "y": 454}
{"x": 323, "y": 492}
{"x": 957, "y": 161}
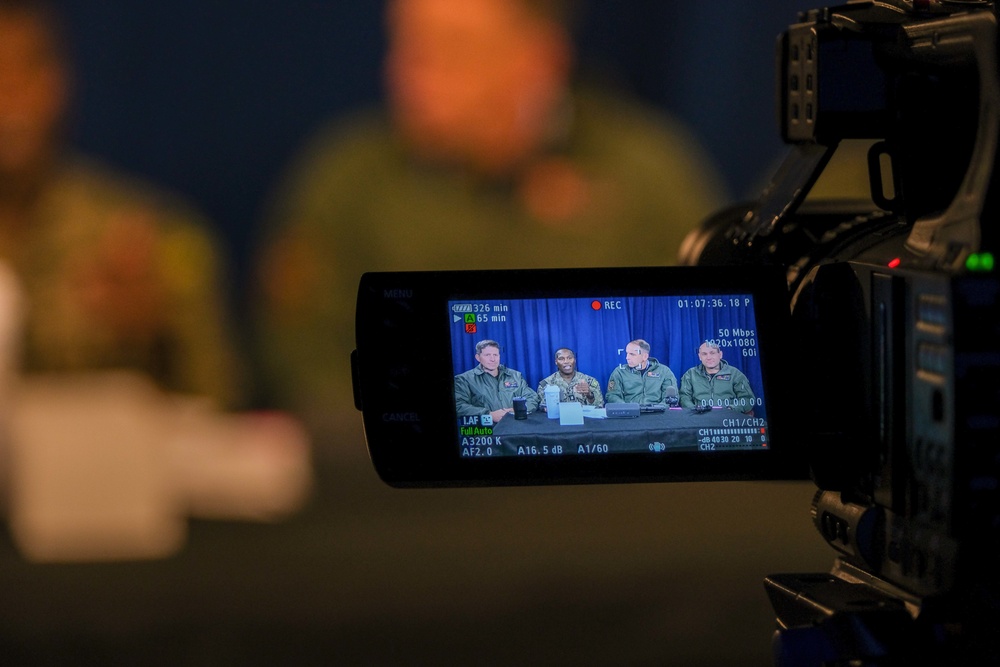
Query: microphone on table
{"x": 672, "y": 399}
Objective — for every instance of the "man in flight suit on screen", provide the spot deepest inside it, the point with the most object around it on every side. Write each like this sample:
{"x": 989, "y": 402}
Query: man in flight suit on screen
{"x": 715, "y": 383}
{"x": 490, "y": 388}
{"x": 641, "y": 379}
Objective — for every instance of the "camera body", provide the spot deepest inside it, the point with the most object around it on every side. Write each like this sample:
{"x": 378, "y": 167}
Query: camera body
{"x": 900, "y": 296}
{"x": 893, "y": 299}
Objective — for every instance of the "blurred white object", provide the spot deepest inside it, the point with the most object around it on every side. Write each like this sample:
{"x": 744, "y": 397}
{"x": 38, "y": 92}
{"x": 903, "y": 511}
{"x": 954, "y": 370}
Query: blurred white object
{"x": 106, "y": 467}
{"x": 252, "y": 466}
{"x": 88, "y": 470}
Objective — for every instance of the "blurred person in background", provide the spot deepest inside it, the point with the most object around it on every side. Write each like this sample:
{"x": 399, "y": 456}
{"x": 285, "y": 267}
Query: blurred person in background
{"x": 116, "y": 356}
{"x": 115, "y": 273}
{"x": 488, "y": 157}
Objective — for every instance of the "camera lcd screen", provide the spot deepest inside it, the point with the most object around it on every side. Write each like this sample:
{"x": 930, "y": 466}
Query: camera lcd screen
{"x": 622, "y": 374}
{"x": 575, "y": 376}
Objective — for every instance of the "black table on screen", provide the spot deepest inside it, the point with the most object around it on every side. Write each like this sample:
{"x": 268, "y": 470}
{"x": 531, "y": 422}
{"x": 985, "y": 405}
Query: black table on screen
{"x": 676, "y": 429}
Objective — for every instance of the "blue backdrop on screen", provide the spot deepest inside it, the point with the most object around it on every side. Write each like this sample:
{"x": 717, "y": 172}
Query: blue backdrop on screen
{"x": 598, "y": 329}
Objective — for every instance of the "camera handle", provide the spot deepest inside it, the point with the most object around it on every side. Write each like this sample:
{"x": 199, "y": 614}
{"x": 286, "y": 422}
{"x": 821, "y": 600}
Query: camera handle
{"x": 787, "y": 189}
{"x": 948, "y": 239}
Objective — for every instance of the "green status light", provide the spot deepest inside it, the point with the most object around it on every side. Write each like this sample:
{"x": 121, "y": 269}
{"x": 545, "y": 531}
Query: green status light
{"x": 979, "y": 261}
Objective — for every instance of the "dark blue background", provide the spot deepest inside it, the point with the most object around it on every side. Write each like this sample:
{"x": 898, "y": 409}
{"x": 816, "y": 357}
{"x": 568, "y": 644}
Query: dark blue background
{"x": 212, "y": 98}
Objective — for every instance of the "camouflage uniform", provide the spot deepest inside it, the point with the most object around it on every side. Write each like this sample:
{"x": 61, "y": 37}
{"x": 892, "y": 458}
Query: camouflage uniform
{"x": 567, "y": 392}
{"x": 115, "y": 276}
{"x": 727, "y": 388}
{"x": 477, "y": 392}
{"x": 358, "y": 201}
{"x": 648, "y": 386}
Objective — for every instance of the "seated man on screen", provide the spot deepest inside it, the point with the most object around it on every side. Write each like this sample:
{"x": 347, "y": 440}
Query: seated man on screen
{"x": 573, "y": 385}
{"x": 490, "y": 388}
{"x": 715, "y": 383}
{"x": 641, "y": 379}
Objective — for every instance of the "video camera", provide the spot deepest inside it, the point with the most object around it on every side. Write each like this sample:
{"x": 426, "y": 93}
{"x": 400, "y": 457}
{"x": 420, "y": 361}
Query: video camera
{"x": 889, "y": 303}
{"x": 902, "y": 300}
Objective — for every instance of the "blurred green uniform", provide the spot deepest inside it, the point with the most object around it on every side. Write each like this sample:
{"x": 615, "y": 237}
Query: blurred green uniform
{"x": 631, "y": 183}
{"x": 567, "y": 392}
{"x": 116, "y": 276}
